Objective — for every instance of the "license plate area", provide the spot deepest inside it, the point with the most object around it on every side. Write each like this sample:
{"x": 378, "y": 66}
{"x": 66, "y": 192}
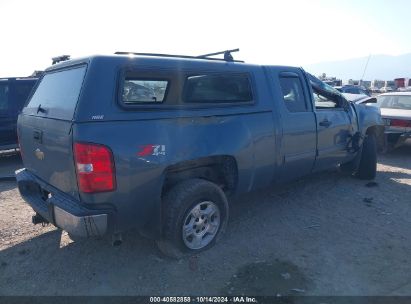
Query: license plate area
{"x": 44, "y": 194}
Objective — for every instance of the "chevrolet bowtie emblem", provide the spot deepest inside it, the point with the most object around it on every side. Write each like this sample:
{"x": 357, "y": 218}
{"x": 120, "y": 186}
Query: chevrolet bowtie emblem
{"x": 39, "y": 154}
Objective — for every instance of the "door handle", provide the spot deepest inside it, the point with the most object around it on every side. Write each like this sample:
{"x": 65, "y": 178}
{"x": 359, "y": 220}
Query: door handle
{"x": 38, "y": 136}
{"x": 325, "y": 123}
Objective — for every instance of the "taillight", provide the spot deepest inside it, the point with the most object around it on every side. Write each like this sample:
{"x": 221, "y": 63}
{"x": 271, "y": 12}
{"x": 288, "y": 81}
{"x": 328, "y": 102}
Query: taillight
{"x": 400, "y": 123}
{"x": 94, "y": 167}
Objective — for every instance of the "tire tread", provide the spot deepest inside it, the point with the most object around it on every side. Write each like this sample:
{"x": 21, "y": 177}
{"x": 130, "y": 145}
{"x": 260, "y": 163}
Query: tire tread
{"x": 174, "y": 205}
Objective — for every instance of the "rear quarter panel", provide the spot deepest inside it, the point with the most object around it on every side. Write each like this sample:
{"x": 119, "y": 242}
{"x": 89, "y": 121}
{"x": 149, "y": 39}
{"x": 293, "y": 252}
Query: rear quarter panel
{"x": 246, "y": 132}
{"x": 140, "y": 177}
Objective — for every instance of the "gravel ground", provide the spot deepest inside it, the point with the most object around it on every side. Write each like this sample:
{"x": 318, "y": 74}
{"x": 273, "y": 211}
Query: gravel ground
{"x": 328, "y": 234}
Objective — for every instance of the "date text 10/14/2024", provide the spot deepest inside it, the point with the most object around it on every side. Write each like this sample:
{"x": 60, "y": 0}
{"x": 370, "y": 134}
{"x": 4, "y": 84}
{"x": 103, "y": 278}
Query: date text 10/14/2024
{"x": 234, "y": 299}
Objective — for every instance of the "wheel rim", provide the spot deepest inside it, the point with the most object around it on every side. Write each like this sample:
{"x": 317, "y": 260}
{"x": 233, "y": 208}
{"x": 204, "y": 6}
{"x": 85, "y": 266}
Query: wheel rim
{"x": 201, "y": 225}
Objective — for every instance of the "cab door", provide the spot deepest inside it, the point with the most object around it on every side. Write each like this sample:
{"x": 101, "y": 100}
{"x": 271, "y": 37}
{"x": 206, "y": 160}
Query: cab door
{"x": 298, "y": 144}
{"x": 334, "y": 128}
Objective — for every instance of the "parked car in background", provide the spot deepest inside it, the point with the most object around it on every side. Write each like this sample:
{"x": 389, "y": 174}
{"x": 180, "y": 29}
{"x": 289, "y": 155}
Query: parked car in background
{"x": 396, "y": 113}
{"x": 360, "y": 98}
{"x": 375, "y": 90}
{"x": 13, "y": 95}
{"x": 402, "y": 84}
{"x": 386, "y": 89}
{"x": 353, "y": 89}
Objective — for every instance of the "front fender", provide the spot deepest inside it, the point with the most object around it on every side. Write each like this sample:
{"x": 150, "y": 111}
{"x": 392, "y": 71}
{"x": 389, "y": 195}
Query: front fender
{"x": 369, "y": 120}
{"x": 368, "y": 116}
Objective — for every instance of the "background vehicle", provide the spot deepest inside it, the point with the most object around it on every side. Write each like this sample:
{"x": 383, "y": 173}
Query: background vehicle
{"x": 13, "y": 95}
{"x": 386, "y": 89}
{"x": 353, "y": 89}
{"x": 100, "y": 160}
{"x": 403, "y": 84}
{"x": 356, "y": 98}
{"x": 396, "y": 113}
{"x": 375, "y": 90}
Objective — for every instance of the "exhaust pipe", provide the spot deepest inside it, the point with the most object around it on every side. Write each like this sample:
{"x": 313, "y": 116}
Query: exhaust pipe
{"x": 116, "y": 239}
{"x": 38, "y": 219}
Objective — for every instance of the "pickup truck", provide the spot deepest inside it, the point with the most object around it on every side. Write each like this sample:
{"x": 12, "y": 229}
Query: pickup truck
{"x": 160, "y": 142}
{"x": 13, "y": 94}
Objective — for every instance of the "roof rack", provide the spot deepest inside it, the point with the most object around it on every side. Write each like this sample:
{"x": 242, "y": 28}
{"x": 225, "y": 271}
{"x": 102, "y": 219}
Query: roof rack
{"x": 60, "y": 58}
{"x": 227, "y": 55}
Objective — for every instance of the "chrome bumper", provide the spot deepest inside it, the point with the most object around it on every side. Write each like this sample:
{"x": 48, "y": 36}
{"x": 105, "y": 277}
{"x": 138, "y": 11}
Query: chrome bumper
{"x": 85, "y": 226}
{"x": 60, "y": 209}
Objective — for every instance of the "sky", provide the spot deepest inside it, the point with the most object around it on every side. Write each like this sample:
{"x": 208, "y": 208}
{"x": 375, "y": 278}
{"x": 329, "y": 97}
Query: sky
{"x": 292, "y": 32}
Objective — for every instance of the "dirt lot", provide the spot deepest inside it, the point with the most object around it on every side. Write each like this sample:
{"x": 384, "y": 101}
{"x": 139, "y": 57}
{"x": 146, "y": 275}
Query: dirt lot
{"x": 325, "y": 235}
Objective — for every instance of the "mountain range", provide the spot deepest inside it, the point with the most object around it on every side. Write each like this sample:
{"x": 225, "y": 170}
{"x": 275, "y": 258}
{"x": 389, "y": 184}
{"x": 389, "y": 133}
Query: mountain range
{"x": 383, "y": 67}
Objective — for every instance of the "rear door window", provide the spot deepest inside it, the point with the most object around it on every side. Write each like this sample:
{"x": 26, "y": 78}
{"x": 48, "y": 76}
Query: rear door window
{"x": 218, "y": 89}
{"x": 140, "y": 91}
{"x": 57, "y": 94}
{"x": 293, "y": 95}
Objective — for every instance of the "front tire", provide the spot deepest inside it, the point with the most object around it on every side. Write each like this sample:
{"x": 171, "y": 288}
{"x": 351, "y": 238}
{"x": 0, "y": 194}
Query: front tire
{"x": 367, "y": 168}
{"x": 195, "y": 215}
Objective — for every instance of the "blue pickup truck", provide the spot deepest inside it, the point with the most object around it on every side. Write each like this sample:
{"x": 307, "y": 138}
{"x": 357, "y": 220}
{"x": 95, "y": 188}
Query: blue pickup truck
{"x": 160, "y": 143}
{"x": 13, "y": 94}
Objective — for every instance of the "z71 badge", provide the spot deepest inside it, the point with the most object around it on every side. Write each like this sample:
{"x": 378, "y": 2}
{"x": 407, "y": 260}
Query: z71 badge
{"x": 155, "y": 150}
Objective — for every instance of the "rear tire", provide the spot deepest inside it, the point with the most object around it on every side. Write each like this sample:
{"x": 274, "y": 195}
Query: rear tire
{"x": 195, "y": 216}
{"x": 367, "y": 168}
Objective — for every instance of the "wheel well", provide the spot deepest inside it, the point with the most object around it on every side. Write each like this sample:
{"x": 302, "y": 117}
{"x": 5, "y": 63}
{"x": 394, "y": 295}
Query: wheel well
{"x": 221, "y": 170}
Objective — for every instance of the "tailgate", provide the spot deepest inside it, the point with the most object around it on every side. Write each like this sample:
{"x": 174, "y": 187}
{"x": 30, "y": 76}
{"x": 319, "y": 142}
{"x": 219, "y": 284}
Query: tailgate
{"x": 45, "y": 126}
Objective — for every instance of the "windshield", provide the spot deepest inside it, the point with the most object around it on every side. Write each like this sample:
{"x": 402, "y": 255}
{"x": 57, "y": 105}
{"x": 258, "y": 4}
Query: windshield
{"x": 318, "y": 84}
{"x": 394, "y": 102}
{"x": 325, "y": 90}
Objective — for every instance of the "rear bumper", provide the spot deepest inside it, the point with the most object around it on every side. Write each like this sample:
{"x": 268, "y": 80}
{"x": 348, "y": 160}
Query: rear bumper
{"x": 404, "y": 131}
{"x": 401, "y": 135}
{"x": 61, "y": 209}
{"x": 8, "y": 147}
{"x": 406, "y": 135}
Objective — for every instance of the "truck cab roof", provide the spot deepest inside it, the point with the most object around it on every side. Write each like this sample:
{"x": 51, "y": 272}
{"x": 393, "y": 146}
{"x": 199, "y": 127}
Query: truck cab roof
{"x": 159, "y": 60}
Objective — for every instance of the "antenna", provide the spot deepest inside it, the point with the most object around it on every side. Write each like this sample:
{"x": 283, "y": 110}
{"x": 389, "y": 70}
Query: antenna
{"x": 365, "y": 68}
